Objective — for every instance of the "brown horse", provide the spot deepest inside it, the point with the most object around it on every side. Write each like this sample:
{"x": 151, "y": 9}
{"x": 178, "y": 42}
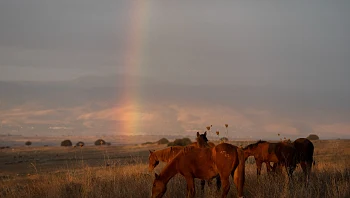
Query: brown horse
{"x": 282, "y": 153}
{"x": 204, "y": 163}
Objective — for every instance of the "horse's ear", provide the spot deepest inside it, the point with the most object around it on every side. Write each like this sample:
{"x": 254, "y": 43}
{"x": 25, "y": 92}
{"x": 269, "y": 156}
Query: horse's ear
{"x": 197, "y": 134}
{"x": 205, "y": 133}
{"x": 150, "y": 151}
{"x": 156, "y": 175}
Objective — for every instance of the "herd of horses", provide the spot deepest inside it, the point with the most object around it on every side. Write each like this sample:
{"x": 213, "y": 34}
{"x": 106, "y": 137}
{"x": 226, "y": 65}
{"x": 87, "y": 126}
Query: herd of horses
{"x": 205, "y": 160}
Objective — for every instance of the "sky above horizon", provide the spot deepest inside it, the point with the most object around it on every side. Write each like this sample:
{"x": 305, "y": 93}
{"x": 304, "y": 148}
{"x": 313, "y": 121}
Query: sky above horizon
{"x": 302, "y": 46}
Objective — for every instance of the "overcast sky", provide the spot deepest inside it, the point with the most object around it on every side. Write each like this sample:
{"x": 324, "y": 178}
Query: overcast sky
{"x": 301, "y": 45}
{"x": 244, "y": 42}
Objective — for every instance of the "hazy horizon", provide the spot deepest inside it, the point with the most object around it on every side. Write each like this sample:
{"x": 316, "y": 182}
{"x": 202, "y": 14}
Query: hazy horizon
{"x": 264, "y": 68}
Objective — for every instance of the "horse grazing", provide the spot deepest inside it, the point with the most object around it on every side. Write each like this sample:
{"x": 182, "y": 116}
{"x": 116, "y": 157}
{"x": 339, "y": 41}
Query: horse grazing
{"x": 305, "y": 152}
{"x": 167, "y": 154}
{"x": 204, "y": 163}
{"x": 164, "y": 155}
{"x": 281, "y": 153}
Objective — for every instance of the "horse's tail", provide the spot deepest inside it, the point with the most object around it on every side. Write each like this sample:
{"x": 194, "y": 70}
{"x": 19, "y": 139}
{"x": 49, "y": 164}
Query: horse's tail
{"x": 239, "y": 175}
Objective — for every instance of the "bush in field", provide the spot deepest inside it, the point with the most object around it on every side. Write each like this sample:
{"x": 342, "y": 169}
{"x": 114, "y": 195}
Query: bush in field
{"x": 147, "y": 143}
{"x": 224, "y": 139}
{"x": 313, "y": 137}
{"x": 28, "y": 143}
{"x": 66, "y": 143}
{"x": 180, "y": 142}
{"x": 81, "y": 144}
{"x": 100, "y": 142}
{"x": 163, "y": 141}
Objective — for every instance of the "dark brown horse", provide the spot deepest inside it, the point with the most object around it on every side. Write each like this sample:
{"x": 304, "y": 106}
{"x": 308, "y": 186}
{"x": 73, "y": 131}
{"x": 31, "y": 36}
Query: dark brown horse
{"x": 304, "y": 156}
{"x": 204, "y": 163}
{"x": 203, "y": 141}
{"x": 305, "y": 152}
{"x": 282, "y": 153}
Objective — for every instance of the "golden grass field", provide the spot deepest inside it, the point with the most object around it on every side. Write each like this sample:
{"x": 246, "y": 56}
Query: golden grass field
{"x": 121, "y": 171}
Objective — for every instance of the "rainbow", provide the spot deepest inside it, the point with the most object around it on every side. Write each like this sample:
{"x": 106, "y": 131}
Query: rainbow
{"x": 131, "y": 114}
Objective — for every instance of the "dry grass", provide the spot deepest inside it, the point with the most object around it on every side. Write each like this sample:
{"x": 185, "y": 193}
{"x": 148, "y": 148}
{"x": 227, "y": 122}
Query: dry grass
{"x": 122, "y": 172}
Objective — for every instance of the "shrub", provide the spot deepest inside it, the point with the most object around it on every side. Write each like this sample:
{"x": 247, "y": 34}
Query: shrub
{"x": 66, "y": 143}
{"x": 313, "y": 137}
{"x": 180, "y": 142}
{"x": 163, "y": 141}
{"x": 100, "y": 142}
{"x": 224, "y": 139}
{"x": 147, "y": 143}
{"x": 81, "y": 144}
{"x": 28, "y": 143}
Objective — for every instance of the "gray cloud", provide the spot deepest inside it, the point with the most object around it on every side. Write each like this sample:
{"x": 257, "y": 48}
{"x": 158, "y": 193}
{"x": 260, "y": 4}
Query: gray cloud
{"x": 287, "y": 58}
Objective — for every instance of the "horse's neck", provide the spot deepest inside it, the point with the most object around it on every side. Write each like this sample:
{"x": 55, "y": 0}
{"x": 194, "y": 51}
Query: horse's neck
{"x": 169, "y": 171}
{"x": 163, "y": 155}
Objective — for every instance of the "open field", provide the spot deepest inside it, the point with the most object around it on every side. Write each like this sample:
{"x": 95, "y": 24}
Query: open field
{"x": 121, "y": 171}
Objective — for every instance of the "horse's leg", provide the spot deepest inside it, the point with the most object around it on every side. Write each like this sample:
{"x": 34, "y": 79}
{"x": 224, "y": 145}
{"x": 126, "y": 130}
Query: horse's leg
{"x": 268, "y": 167}
{"x": 218, "y": 183}
{"x": 306, "y": 166}
{"x": 258, "y": 167}
{"x": 190, "y": 187}
{"x": 203, "y": 184}
{"x": 303, "y": 166}
{"x": 225, "y": 185}
{"x": 309, "y": 167}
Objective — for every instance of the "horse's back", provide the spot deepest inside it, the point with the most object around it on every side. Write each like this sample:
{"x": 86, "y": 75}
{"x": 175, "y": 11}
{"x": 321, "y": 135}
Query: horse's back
{"x": 305, "y": 149}
{"x": 211, "y": 144}
{"x": 286, "y": 153}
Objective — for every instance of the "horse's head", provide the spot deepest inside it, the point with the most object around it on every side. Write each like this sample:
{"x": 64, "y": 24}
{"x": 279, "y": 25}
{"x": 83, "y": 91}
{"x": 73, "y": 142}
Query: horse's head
{"x": 158, "y": 188}
{"x": 153, "y": 161}
{"x": 252, "y": 148}
{"x": 202, "y": 139}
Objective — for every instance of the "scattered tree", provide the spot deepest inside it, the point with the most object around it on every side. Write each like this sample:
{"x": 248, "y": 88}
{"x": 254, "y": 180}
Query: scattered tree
{"x": 163, "y": 141}
{"x": 80, "y": 144}
{"x": 28, "y": 143}
{"x": 180, "y": 142}
{"x": 66, "y": 143}
{"x": 224, "y": 139}
{"x": 313, "y": 137}
{"x": 100, "y": 142}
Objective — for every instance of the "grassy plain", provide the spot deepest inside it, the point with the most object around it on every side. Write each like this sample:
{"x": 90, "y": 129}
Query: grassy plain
{"x": 121, "y": 171}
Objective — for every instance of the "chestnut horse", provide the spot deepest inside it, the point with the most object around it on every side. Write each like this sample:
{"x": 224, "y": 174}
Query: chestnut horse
{"x": 202, "y": 142}
{"x": 164, "y": 155}
{"x": 167, "y": 154}
{"x": 204, "y": 163}
{"x": 282, "y": 153}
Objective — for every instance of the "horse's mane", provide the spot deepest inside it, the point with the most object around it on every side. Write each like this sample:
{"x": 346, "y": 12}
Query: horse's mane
{"x": 167, "y": 153}
{"x": 251, "y": 146}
